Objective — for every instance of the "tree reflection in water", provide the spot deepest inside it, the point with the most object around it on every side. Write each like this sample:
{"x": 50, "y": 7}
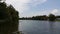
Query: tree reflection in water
{"x": 52, "y": 28}
{"x": 8, "y": 28}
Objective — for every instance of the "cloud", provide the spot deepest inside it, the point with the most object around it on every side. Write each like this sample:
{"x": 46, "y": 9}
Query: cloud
{"x": 43, "y": 12}
{"x": 37, "y": 2}
{"x": 18, "y": 4}
{"x": 22, "y": 5}
{"x": 35, "y": 13}
{"x": 54, "y": 11}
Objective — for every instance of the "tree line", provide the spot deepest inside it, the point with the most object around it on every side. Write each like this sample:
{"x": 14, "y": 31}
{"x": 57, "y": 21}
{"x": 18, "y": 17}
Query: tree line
{"x": 51, "y": 17}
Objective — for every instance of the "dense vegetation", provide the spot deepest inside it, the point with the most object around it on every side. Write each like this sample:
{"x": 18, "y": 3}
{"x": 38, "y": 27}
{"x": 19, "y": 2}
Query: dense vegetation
{"x": 8, "y": 12}
{"x": 51, "y": 17}
{"x": 8, "y": 19}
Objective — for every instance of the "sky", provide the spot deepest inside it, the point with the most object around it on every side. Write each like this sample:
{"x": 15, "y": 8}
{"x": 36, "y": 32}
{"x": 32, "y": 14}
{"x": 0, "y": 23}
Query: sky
{"x": 29, "y": 8}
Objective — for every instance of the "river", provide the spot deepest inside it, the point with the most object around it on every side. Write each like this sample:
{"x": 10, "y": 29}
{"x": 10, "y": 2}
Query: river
{"x": 39, "y": 27}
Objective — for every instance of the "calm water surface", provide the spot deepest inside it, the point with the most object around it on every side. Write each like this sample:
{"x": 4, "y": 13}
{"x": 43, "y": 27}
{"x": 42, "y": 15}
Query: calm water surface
{"x": 39, "y": 27}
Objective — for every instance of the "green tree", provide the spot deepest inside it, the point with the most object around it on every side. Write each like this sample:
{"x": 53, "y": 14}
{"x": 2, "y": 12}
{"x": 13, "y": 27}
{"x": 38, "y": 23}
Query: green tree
{"x": 3, "y": 10}
{"x": 52, "y": 17}
{"x": 8, "y": 12}
{"x": 9, "y": 17}
{"x": 12, "y": 13}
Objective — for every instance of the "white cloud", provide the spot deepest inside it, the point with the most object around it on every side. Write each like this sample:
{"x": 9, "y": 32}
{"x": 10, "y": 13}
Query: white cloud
{"x": 22, "y": 5}
{"x": 18, "y": 4}
{"x": 44, "y": 12}
{"x": 54, "y": 11}
{"x": 47, "y": 12}
{"x": 37, "y": 2}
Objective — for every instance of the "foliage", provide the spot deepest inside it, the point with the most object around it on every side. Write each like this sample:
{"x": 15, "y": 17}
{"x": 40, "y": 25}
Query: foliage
{"x": 8, "y": 12}
{"x": 52, "y": 17}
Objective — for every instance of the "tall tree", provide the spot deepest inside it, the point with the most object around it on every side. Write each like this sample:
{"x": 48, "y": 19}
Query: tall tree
{"x": 52, "y": 17}
{"x": 8, "y": 12}
{"x": 3, "y": 10}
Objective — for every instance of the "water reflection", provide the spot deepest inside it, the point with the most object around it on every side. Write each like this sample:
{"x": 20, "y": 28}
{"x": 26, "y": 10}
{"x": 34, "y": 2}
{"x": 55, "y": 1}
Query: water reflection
{"x": 8, "y": 28}
{"x": 39, "y": 27}
{"x": 52, "y": 27}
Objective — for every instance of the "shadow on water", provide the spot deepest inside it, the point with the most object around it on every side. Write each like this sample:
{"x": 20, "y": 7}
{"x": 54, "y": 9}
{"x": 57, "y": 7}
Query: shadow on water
{"x": 9, "y": 28}
{"x": 51, "y": 27}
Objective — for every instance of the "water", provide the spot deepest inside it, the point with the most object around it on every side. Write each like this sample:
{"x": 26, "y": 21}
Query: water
{"x": 39, "y": 27}
{"x": 8, "y": 28}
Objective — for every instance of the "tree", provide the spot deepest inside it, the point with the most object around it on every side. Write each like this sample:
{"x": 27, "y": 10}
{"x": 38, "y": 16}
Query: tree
{"x": 8, "y": 18}
{"x": 52, "y": 17}
{"x": 3, "y": 10}
{"x": 8, "y": 12}
{"x": 12, "y": 13}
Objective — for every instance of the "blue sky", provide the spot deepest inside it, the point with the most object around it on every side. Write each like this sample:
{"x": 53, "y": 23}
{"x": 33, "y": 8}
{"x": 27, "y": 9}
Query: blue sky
{"x": 27, "y": 8}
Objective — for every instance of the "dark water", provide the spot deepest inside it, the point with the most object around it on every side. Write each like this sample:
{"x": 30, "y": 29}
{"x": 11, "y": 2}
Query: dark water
{"x": 39, "y": 27}
{"x": 8, "y": 28}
